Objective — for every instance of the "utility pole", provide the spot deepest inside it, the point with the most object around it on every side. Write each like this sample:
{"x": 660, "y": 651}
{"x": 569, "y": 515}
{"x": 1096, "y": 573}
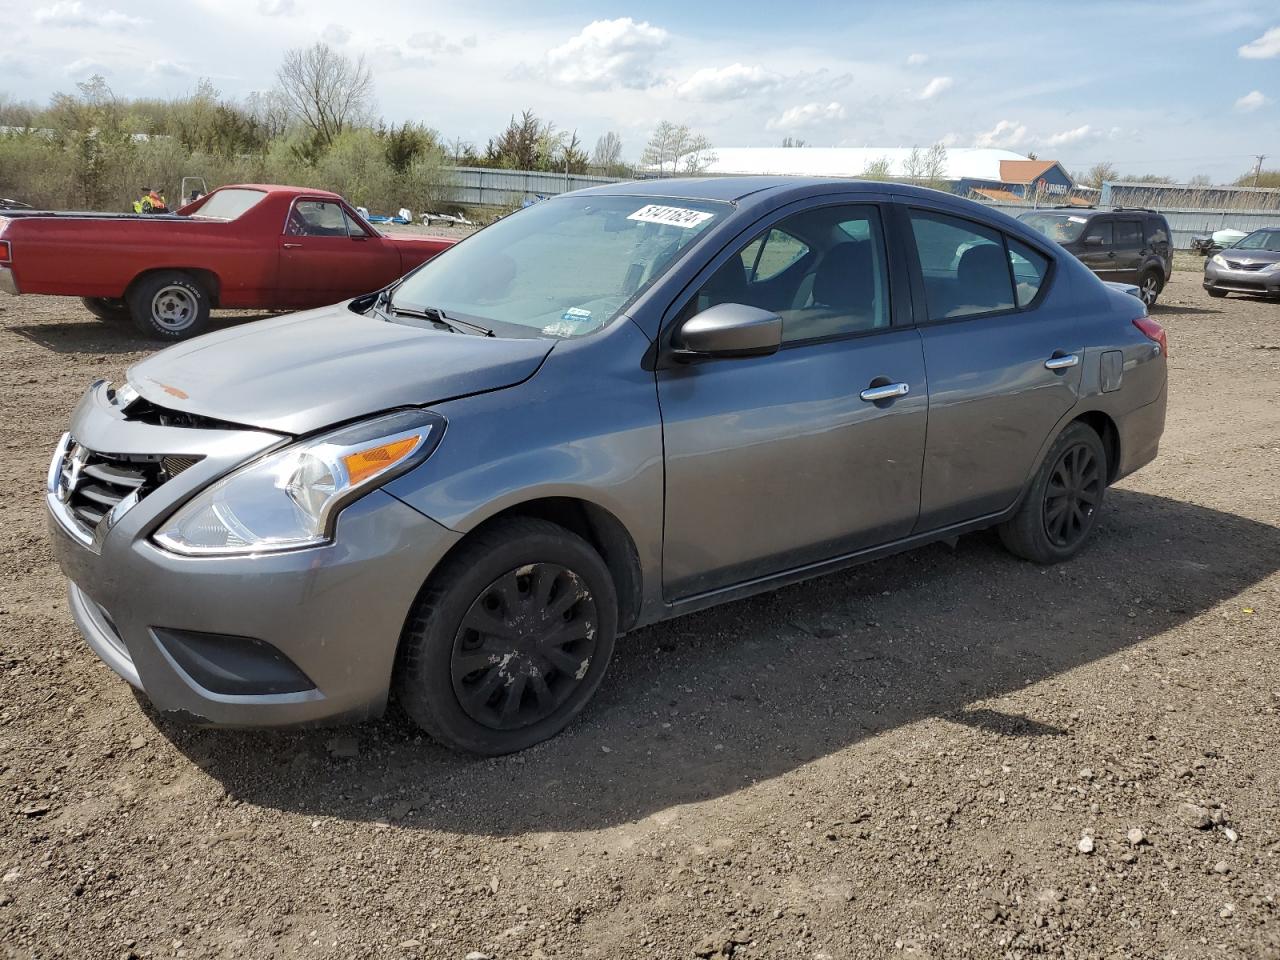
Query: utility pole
{"x": 1257, "y": 170}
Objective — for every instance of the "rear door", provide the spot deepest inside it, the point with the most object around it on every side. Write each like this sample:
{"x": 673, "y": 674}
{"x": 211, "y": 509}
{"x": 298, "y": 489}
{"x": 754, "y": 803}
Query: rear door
{"x": 1130, "y": 250}
{"x": 326, "y": 256}
{"x": 1003, "y": 363}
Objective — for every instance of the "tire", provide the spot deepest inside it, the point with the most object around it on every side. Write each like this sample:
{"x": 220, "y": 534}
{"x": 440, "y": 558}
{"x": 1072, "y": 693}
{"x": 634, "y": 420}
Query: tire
{"x": 106, "y": 308}
{"x": 1149, "y": 286}
{"x": 497, "y": 692}
{"x": 169, "y": 305}
{"x": 1061, "y": 506}
{"x": 1216, "y": 293}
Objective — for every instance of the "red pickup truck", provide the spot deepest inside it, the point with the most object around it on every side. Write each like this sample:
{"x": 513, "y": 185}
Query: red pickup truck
{"x": 244, "y": 246}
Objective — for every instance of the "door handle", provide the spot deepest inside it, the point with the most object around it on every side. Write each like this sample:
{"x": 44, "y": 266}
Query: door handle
{"x": 887, "y": 392}
{"x": 291, "y": 246}
{"x": 1062, "y": 363}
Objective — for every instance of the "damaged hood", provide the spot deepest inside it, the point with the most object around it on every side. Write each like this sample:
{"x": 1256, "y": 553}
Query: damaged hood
{"x": 299, "y": 373}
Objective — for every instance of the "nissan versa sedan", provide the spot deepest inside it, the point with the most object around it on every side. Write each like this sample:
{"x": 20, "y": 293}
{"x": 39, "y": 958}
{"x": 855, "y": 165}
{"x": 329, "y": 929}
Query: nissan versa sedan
{"x": 608, "y": 409}
{"x": 1250, "y": 265}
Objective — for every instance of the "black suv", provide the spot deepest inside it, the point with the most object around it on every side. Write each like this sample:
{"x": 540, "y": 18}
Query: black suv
{"x": 1128, "y": 245}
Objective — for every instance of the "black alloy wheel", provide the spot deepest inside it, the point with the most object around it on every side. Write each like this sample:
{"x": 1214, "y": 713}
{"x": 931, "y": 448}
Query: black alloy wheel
{"x": 1071, "y": 496}
{"x": 524, "y": 646}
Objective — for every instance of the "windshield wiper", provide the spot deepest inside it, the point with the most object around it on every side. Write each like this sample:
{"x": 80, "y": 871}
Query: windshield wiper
{"x": 436, "y": 315}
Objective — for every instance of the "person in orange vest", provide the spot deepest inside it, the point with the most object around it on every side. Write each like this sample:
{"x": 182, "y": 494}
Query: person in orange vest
{"x": 152, "y": 202}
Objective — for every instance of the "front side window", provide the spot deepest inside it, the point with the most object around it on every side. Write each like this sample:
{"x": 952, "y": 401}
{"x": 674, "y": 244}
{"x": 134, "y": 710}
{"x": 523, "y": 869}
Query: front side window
{"x": 1102, "y": 231}
{"x": 1060, "y": 227}
{"x": 964, "y": 266}
{"x": 1128, "y": 234}
{"x": 822, "y": 281}
{"x": 317, "y": 218}
{"x": 560, "y": 268}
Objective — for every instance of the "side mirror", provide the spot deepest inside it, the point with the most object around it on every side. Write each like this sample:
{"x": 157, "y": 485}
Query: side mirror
{"x": 1093, "y": 241}
{"x": 729, "y": 330}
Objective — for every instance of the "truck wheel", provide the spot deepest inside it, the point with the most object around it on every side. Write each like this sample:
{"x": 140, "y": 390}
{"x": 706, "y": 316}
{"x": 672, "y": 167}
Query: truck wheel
{"x": 106, "y": 308}
{"x": 169, "y": 305}
{"x": 509, "y": 639}
{"x": 1149, "y": 287}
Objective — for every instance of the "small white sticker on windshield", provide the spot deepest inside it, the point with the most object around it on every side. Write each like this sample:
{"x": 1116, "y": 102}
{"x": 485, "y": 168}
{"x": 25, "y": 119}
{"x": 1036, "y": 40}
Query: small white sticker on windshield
{"x": 671, "y": 216}
{"x": 1077, "y": 219}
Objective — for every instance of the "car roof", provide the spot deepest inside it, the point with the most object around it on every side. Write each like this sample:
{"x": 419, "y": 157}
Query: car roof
{"x": 276, "y": 188}
{"x": 733, "y": 189}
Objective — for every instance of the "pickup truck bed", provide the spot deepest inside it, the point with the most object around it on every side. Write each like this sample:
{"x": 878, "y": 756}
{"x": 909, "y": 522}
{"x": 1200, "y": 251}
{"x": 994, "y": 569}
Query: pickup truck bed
{"x": 247, "y": 246}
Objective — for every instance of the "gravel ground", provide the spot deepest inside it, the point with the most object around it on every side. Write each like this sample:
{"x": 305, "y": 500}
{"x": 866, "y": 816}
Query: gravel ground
{"x": 947, "y": 754}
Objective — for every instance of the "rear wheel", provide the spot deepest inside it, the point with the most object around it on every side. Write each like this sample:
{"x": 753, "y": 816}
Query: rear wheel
{"x": 1149, "y": 287}
{"x": 509, "y": 640}
{"x": 1061, "y": 507}
{"x": 169, "y": 305}
{"x": 106, "y": 308}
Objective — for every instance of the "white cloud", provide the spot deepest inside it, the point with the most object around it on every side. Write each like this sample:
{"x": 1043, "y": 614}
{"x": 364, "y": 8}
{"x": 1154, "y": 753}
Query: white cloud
{"x": 434, "y": 42}
{"x": 277, "y": 8}
{"x": 1264, "y": 48}
{"x": 608, "y": 54}
{"x": 1253, "y": 100}
{"x": 727, "y": 83}
{"x": 169, "y": 68}
{"x": 73, "y": 13}
{"x": 935, "y": 86}
{"x": 336, "y": 34}
{"x": 1075, "y": 135}
{"x": 917, "y": 59}
{"x": 807, "y": 115}
{"x": 84, "y": 67}
{"x": 1006, "y": 133}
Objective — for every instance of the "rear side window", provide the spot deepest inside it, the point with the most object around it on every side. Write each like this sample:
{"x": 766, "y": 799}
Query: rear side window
{"x": 1029, "y": 270}
{"x": 1157, "y": 231}
{"x": 966, "y": 271}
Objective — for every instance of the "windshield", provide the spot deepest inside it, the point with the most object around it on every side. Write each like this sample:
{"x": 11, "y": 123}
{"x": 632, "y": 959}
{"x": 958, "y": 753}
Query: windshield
{"x": 1060, "y": 227}
{"x": 228, "y": 204}
{"x": 1260, "y": 240}
{"x": 559, "y": 268}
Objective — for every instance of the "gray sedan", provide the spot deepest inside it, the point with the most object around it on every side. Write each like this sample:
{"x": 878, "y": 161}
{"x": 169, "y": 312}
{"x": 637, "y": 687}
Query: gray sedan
{"x": 608, "y": 409}
{"x": 1250, "y": 265}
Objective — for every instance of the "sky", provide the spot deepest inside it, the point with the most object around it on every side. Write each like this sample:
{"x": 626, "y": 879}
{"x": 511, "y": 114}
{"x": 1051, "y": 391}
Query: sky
{"x": 1165, "y": 87}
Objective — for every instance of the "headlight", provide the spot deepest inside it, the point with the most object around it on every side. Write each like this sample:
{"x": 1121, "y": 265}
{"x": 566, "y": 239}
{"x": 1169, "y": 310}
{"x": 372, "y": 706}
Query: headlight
{"x": 291, "y": 498}
{"x": 1217, "y": 258}
{"x": 1271, "y": 267}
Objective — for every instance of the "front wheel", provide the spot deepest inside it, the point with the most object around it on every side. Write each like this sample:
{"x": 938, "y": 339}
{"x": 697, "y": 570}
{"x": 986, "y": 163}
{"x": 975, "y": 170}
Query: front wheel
{"x": 106, "y": 308}
{"x": 169, "y": 305}
{"x": 1216, "y": 293}
{"x": 509, "y": 640}
{"x": 1061, "y": 507}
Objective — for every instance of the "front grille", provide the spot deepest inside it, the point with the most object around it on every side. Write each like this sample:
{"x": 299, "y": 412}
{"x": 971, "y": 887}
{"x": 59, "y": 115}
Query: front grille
{"x": 1237, "y": 265}
{"x": 92, "y": 483}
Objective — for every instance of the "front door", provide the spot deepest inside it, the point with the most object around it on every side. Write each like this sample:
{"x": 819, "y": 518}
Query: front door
{"x": 1097, "y": 249}
{"x": 326, "y": 257}
{"x": 1004, "y": 365}
{"x": 780, "y": 461}
{"x": 1130, "y": 249}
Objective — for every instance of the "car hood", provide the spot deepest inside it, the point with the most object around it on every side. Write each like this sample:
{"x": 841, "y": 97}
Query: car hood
{"x": 299, "y": 373}
{"x": 1247, "y": 257}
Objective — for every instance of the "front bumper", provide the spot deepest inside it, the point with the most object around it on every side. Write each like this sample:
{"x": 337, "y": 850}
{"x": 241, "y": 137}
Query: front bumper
{"x": 7, "y": 283}
{"x": 333, "y": 614}
{"x": 1264, "y": 283}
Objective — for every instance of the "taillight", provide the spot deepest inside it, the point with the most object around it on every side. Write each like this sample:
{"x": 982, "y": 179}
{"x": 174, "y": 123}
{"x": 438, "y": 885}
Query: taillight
{"x": 1153, "y": 331}
{"x": 5, "y": 253}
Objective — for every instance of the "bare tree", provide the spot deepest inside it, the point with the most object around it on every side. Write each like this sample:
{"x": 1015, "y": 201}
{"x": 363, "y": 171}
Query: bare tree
{"x": 880, "y": 169}
{"x": 608, "y": 152}
{"x": 696, "y": 154}
{"x": 325, "y": 89}
{"x": 933, "y": 171}
{"x": 794, "y": 142}
{"x": 1100, "y": 173}
{"x": 674, "y": 144}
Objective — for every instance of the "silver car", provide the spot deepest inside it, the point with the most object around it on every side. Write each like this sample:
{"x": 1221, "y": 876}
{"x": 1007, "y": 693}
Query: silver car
{"x": 1250, "y": 265}
{"x": 608, "y": 409}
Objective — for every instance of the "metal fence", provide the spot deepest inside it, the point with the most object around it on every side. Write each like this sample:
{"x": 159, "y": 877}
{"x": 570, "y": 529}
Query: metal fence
{"x": 1187, "y": 223}
{"x": 486, "y": 186}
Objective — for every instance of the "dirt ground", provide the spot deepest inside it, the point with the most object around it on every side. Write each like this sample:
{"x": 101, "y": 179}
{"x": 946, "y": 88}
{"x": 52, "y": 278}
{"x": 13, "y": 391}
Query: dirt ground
{"x": 947, "y": 754}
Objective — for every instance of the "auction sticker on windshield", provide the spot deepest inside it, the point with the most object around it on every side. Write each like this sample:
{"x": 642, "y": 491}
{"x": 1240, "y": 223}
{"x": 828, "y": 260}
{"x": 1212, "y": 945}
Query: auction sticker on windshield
{"x": 671, "y": 216}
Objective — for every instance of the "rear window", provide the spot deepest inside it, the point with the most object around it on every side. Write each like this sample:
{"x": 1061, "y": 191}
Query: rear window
{"x": 228, "y": 204}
